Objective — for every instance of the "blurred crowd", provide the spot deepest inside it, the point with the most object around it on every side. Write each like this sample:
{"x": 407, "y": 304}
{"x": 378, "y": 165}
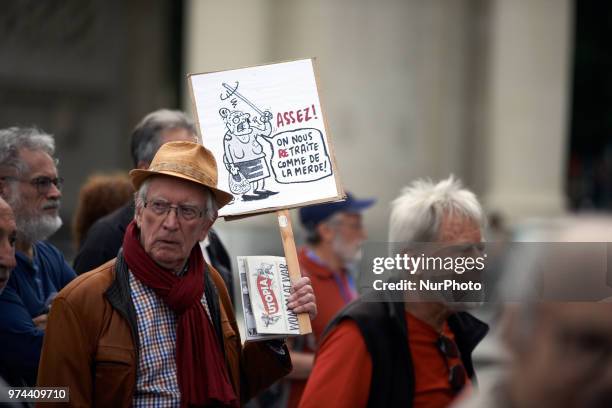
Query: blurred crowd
{"x": 145, "y": 314}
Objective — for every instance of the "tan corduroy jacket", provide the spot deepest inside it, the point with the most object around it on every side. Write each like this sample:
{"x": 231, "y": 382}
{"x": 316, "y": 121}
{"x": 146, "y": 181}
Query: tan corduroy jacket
{"x": 91, "y": 341}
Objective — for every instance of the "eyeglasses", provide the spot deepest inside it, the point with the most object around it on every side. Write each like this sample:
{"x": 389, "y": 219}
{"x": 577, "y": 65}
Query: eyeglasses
{"x": 186, "y": 212}
{"x": 457, "y": 375}
{"x": 42, "y": 183}
{"x": 352, "y": 225}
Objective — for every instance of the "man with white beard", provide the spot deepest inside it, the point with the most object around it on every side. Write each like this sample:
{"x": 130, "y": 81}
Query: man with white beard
{"x": 30, "y": 184}
{"x": 335, "y": 234}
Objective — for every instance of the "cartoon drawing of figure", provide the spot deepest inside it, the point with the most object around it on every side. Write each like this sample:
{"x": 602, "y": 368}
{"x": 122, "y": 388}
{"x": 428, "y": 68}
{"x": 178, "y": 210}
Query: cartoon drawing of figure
{"x": 265, "y": 270}
{"x": 244, "y": 156}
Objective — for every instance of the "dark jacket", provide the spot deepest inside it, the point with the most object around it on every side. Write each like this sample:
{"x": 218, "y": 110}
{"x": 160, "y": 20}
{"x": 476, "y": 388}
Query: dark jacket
{"x": 105, "y": 237}
{"x": 383, "y": 327}
{"x": 28, "y": 294}
{"x": 92, "y": 344}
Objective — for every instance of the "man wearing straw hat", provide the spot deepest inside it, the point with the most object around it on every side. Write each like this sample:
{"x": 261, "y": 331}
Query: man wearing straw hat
{"x": 155, "y": 326}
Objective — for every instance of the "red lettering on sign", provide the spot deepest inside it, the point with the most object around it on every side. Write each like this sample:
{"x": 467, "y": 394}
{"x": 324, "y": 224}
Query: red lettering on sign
{"x": 267, "y": 294}
{"x": 296, "y": 116}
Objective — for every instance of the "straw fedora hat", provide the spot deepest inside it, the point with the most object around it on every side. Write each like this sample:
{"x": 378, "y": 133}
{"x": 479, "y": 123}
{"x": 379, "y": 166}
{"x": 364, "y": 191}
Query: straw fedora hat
{"x": 188, "y": 161}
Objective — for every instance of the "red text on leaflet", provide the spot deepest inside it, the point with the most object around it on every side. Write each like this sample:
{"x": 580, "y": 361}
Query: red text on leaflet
{"x": 267, "y": 294}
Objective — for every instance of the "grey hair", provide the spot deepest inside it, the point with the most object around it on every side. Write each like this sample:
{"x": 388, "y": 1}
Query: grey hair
{"x": 146, "y": 136}
{"x": 15, "y": 138}
{"x": 212, "y": 207}
{"x": 417, "y": 213}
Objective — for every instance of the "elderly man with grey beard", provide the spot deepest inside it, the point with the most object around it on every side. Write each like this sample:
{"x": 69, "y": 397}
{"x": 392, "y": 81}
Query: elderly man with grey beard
{"x": 30, "y": 184}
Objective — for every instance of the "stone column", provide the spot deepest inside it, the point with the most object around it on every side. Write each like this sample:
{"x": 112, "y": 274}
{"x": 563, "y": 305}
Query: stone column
{"x": 526, "y": 109}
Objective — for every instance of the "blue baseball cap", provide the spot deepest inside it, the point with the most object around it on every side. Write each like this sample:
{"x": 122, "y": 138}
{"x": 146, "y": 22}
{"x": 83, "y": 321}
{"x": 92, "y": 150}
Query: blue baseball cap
{"x": 311, "y": 216}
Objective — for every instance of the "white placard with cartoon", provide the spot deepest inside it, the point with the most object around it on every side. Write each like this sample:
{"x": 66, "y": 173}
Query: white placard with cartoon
{"x": 265, "y": 127}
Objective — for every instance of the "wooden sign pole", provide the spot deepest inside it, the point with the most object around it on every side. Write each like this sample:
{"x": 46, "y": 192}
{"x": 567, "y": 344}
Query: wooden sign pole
{"x": 286, "y": 231}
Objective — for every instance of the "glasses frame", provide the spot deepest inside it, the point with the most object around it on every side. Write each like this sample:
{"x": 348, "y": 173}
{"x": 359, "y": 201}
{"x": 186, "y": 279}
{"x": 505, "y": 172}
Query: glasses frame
{"x": 41, "y": 183}
{"x": 177, "y": 207}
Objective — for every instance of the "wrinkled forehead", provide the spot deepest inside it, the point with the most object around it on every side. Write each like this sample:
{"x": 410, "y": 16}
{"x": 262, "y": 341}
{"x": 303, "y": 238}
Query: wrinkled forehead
{"x": 38, "y": 161}
{"x": 177, "y": 190}
{"x": 456, "y": 227}
{"x": 346, "y": 216}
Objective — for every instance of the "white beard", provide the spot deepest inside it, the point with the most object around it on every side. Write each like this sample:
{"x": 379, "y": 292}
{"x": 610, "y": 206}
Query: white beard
{"x": 348, "y": 254}
{"x": 32, "y": 227}
{"x": 38, "y": 229}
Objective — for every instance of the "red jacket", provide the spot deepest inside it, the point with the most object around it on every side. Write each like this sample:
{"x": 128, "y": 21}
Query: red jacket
{"x": 330, "y": 300}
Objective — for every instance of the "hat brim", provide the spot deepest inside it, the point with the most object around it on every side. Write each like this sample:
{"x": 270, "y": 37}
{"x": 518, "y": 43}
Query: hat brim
{"x": 138, "y": 176}
{"x": 360, "y": 205}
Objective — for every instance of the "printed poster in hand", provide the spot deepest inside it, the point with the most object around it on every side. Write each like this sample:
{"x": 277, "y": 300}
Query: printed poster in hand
{"x": 266, "y": 286}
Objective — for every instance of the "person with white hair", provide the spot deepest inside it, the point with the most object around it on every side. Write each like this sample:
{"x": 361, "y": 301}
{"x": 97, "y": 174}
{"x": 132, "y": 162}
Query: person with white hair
{"x": 29, "y": 182}
{"x": 410, "y": 353}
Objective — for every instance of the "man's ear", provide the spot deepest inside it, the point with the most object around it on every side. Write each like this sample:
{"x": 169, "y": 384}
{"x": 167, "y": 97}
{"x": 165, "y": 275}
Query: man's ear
{"x": 325, "y": 231}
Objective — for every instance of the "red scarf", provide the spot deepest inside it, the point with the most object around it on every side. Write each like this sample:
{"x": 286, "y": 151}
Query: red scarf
{"x": 201, "y": 371}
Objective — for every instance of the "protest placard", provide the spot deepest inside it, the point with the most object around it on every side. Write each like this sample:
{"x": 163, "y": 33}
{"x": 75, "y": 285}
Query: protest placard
{"x": 267, "y": 130}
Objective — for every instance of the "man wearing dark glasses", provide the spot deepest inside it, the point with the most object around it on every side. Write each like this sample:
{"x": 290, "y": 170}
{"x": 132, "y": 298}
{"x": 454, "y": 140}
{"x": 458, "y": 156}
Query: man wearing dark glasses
{"x": 406, "y": 353}
{"x": 30, "y": 184}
